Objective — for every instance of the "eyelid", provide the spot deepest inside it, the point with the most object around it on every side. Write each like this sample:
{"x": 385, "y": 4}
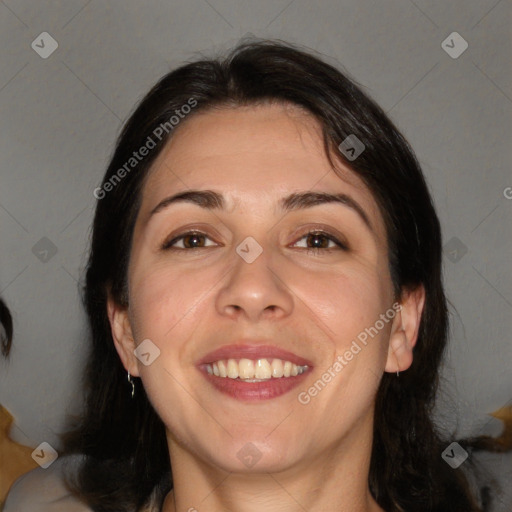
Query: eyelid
{"x": 166, "y": 245}
{"x": 322, "y": 229}
{"x": 338, "y": 240}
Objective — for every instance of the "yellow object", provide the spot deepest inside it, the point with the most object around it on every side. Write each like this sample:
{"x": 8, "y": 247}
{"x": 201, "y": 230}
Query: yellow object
{"x": 505, "y": 415}
{"x": 15, "y": 459}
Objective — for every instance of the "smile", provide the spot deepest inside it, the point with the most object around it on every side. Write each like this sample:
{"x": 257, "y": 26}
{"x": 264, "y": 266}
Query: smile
{"x": 252, "y": 370}
{"x": 258, "y": 370}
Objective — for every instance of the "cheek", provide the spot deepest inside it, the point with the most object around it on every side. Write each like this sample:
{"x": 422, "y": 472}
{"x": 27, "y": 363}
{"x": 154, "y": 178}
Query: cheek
{"x": 159, "y": 300}
{"x": 348, "y": 300}
{"x": 169, "y": 305}
{"x": 353, "y": 301}
{"x": 165, "y": 306}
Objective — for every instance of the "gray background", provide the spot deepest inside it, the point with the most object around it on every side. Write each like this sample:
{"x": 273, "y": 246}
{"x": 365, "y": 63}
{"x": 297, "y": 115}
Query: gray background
{"x": 61, "y": 115}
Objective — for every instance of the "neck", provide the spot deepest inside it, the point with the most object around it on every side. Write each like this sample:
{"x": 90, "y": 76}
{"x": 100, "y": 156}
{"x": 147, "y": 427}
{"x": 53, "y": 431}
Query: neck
{"x": 335, "y": 479}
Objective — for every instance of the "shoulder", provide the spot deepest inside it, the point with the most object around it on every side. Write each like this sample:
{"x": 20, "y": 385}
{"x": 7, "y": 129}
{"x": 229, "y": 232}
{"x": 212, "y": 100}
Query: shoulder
{"x": 43, "y": 490}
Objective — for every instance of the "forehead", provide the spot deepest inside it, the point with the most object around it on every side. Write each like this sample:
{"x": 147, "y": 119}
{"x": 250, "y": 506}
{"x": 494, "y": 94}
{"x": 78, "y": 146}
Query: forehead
{"x": 254, "y": 155}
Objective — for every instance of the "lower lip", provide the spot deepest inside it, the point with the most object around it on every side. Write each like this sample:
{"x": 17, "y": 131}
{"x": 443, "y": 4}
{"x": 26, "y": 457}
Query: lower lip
{"x": 254, "y": 391}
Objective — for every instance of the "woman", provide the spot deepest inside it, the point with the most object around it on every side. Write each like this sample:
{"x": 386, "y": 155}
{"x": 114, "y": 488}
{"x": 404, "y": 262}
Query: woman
{"x": 266, "y": 304}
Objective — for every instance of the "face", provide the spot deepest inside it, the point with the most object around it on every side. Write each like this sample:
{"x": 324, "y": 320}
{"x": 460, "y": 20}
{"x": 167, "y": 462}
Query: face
{"x": 262, "y": 274}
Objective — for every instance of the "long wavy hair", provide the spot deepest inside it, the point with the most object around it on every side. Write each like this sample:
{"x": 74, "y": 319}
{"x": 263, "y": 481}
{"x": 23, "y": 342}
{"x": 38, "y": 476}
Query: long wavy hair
{"x": 126, "y": 463}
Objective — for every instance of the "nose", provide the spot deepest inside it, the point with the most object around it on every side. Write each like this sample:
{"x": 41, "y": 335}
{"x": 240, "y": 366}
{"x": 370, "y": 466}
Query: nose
{"x": 255, "y": 291}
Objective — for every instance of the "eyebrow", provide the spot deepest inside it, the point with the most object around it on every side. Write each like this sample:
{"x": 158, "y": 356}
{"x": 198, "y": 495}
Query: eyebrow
{"x": 210, "y": 200}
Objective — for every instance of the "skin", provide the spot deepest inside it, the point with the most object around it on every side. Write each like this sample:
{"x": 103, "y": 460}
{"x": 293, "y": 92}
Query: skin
{"x": 314, "y": 457}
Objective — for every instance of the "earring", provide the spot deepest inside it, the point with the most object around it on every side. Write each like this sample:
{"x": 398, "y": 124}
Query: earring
{"x": 397, "y": 367}
{"x": 130, "y": 380}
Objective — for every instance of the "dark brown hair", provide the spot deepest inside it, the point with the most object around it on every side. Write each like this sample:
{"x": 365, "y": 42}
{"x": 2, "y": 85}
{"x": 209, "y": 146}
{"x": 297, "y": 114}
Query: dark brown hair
{"x": 127, "y": 462}
{"x": 6, "y": 329}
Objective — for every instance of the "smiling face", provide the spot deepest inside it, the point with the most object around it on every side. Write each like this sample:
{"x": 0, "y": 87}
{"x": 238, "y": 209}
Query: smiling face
{"x": 311, "y": 277}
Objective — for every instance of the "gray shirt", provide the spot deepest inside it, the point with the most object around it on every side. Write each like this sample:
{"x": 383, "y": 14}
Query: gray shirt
{"x": 43, "y": 490}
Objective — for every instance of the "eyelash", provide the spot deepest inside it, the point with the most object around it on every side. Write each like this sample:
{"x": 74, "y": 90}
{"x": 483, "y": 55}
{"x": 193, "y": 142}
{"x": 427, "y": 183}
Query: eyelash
{"x": 167, "y": 246}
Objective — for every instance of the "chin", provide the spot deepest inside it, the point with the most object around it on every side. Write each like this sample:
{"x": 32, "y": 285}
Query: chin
{"x": 254, "y": 456}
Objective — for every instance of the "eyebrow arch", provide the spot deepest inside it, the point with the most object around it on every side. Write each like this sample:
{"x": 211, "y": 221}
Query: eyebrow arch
{"x": 211, "y": 200}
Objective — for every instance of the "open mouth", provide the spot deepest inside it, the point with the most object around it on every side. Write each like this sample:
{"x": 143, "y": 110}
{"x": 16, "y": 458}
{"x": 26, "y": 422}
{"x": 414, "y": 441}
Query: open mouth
{"x": 258, "y": 370}
{"x": 253, "y": 372}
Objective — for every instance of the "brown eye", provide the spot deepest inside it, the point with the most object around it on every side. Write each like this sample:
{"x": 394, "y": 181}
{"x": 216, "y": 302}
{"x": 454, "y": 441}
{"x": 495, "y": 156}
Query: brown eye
{"x": 317, "y": 241}
{"x": 189, "y": 240}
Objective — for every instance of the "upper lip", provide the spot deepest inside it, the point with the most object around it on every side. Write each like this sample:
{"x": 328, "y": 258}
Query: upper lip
{"x": 252, "y": 350}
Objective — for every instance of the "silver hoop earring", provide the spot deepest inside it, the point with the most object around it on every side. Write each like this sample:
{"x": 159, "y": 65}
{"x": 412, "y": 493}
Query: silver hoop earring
{"x": 130, "y": 380}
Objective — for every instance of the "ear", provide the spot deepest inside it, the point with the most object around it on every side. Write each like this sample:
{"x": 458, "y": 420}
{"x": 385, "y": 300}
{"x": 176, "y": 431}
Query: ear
{"x": 404, "y": 330}
{"x": 122, "y": 334}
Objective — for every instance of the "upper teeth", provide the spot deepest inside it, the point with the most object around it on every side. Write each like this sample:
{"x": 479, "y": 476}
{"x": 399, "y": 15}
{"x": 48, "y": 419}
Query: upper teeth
{"x": 259, "y": 369}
